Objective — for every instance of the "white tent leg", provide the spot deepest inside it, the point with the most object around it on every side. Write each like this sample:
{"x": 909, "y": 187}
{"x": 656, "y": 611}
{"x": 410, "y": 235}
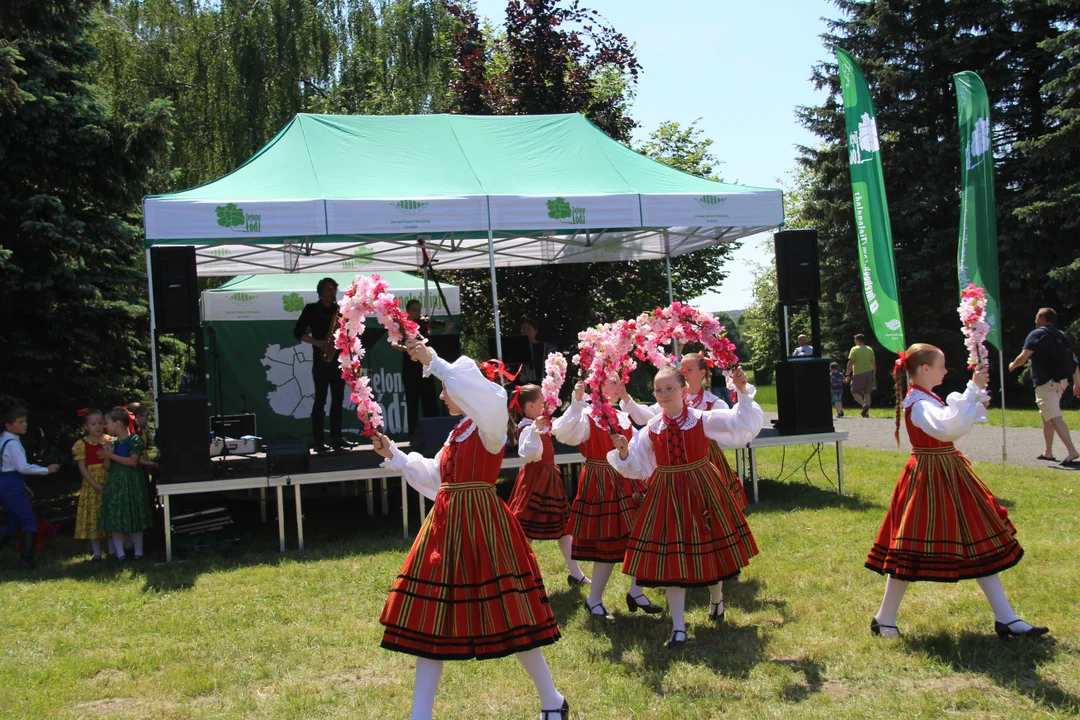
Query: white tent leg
{"x": 427, "y": 307}
{"x": 494, "y": 293}
{"x": 667, "y": 259}
{"x": 153, "y": 338}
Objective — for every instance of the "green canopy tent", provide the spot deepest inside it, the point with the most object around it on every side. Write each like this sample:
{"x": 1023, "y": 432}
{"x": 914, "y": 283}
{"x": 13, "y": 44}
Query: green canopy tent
{"x": 256, "y": 365}
{"x": 377, "y": 193}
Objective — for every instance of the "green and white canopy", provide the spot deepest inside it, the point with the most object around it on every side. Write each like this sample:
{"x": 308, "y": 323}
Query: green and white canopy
{"x": 372, "y": 193}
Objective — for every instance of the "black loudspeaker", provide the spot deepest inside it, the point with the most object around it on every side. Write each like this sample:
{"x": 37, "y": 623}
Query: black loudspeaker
{"x": 798, "y": 276}
{"x": 176, "y": 290}
{"x": 286, "y": 456}
{"x": 803, "y": 397}
{"x": 431, "y": 433}
{"x": 183, "y": 437}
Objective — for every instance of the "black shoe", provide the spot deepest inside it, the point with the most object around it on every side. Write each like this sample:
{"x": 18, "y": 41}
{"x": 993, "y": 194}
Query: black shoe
{"x": 561, "y": 714}
{"x": 575, "y": 582}
{"x": 27, "y": 547}
{"x": 599, "y": 616}
{"x": 650, "y": 609}
{"x": 717, "y": 617}
{"x": 1005, "y": 631}
{"x": 95, "y": 558}
{"x": 320, "y": 449}
{"x": 342, "y": 444}
{"x": 4, "y": 540}
{"x": 876, "y": 627}
{"x": 674, "y": 641}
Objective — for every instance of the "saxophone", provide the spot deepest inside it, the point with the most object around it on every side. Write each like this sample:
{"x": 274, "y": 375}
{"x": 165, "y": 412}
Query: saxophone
{"x": 329, "y": 352}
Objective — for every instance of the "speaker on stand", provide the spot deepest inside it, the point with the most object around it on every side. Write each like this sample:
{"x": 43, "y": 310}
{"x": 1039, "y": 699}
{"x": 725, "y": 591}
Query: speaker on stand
{"x": 803, "y": 402}
{"x": 183, "y": 437}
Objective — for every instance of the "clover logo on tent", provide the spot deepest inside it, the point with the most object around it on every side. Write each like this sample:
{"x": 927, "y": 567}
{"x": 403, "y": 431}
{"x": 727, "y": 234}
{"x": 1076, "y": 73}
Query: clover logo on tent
{"x": 218, "y": 252}
{"x": 559, "y": 209}
{"x": 360, "y": 256}
{"x": 292, "y": 303}
{"x": 711, "y": 202}
{"x": 410, "y": 207}
{"x": 233, "y": 217}
{"x": 893, "y": 324}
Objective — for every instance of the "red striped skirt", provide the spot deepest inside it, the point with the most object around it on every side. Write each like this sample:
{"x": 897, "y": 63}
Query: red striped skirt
{"x": 470, "y": 587}
{"x": 539, "y": 501}
{"x": 603, "y": 513}
{"x": 733, "y": 482}
{"x": 690, "y": 531}
{"x": 943, "y": 524}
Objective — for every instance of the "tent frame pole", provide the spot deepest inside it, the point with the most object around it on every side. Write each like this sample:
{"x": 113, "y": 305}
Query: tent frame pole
{"x": 1001, "y": 370}
{"x": 430, "y": 312}
{"x": 153, "y": 336}
{"x": 494, "y": 292}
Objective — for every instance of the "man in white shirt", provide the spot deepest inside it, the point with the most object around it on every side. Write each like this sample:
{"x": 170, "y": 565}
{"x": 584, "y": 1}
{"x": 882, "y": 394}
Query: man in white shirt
{"x": 805, "y": 349}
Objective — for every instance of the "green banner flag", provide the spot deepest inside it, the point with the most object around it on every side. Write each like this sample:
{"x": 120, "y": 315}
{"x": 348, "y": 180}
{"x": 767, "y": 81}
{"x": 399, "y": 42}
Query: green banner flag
{"x": 976, "y": 258}
{"x": 877, "y": 274}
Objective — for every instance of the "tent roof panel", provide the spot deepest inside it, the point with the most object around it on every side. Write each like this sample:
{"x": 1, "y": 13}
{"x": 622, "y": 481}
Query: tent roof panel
{"x": 290, "y": 282}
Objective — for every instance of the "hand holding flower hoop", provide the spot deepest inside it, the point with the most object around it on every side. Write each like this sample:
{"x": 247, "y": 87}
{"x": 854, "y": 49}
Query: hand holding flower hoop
{"x": 365, "y": 296}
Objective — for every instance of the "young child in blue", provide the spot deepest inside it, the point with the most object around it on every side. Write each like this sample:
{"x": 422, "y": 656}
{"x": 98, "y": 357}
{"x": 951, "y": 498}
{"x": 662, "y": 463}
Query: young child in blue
{"x": 836, "y": 381}
{"x": 13, "y": 491}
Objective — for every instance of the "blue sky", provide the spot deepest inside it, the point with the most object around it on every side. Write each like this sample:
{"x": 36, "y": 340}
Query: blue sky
{"x": 741, "y": 67}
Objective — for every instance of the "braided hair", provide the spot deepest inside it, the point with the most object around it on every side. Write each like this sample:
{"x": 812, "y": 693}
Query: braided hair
{"x": 913, "y": 358}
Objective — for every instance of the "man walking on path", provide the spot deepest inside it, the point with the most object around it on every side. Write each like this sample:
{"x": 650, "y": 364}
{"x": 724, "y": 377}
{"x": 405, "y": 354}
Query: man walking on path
{"x": 861, "y": 372}
{"x": 1052, "y": 365}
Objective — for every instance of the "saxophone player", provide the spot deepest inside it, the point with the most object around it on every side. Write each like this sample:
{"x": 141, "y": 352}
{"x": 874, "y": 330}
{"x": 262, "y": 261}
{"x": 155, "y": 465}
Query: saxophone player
{"x": 315, "y": 327}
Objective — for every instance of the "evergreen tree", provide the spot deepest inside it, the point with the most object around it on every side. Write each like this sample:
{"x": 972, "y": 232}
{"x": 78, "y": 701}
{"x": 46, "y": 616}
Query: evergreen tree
{"x": 909, "y": 51}
{"x": 75, "y": 171}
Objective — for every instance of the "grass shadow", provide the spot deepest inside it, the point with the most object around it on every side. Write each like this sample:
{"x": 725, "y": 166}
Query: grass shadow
{"x": 1012, "y": 665}
{"x": 742, "y": 593}
{"x": 785, "y": 496}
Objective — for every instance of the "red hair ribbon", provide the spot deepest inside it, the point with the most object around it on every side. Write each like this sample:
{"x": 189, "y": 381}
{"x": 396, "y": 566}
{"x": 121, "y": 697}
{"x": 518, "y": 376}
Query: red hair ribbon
{"x": 81, "y": 412}
{"x": 709, "y": 361}
{"x": 515, "y": 401}
{"x": 901, "y": 362}
{"x": 495, "y": 368}
{"x": 131, "y": 420}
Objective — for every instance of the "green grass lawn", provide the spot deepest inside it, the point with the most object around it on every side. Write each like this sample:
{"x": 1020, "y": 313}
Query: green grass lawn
{"x": 1015, "y": 417}
{"x": 246, "y": 633}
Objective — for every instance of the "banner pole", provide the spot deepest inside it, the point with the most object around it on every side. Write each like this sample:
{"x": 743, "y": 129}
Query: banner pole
{"x": 1001, "y": 370}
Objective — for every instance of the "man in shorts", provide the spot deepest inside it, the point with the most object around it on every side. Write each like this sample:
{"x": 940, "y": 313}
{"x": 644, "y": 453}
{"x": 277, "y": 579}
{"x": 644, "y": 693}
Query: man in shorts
{"x": 1049, "y": 351}
{"x": 861, "y": 373}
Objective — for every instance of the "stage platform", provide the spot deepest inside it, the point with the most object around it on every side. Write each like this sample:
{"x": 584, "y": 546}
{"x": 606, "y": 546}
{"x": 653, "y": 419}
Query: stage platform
{"x": 361, "y": 464}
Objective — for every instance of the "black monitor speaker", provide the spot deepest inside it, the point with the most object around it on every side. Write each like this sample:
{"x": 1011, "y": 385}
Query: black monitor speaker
{"x": 431, "y": 433}
{"x": 183, "y": 437}
{"x": 287, "y": 456}
{"x": 798, "y": 276}
{"x": 176, "y": 290}
{"x": 804, "y": 397}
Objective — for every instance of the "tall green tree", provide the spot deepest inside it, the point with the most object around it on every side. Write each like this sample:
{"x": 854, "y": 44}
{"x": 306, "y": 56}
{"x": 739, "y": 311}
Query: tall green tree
{"x": 75, "y": 171}
{"x": 554, "y": 57}
{"x": 909, "y": 51}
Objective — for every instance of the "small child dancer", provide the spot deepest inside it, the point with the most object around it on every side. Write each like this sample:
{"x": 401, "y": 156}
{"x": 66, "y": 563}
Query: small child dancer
{"x": 125, "y": 509}
{"x": 606, "y": 503}
{"x": 695, "y": 368}
{"x": 836, "y": 387}
{"x": 470, "y": 587}
{"x": 87, "y": 452}
{"x": 943, "y": 524}
{"x": 539, "y": 499}
{"x": 13, "y": 490}
{"x": 690, "y": 531}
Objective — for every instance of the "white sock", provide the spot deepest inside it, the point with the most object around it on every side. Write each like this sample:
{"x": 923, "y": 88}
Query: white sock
{"x": 890, "y": 603}
{"x": 716, "y": 595}
{"x": 601, "y": 573}
{"x": 428, "y": 673}
{"x": 566, "y": 542}
{"x": 676, "y": 600}
{"x": 95, "y": 545}
{"x": 137, "y": 540}
{"x": 534, "y": 664}
{"x": 118, "y": 544}
{"x": 1003, "y": 612}
{"x": 637, "y": 593}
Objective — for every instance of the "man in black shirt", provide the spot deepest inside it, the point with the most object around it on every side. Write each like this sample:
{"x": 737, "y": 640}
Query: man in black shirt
{"x": 419, "y": 390}
{"x": 1047, "y": 346}
{"x": 313, "y": 327}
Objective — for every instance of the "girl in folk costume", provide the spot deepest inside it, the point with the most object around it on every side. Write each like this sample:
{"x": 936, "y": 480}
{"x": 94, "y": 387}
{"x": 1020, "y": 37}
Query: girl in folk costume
{"x": 91, "y": 463}
{"x": 539, "y": 500}
{"x": 690, "y": 532}
{"x": 695, "y": 368}
{"x": 125, "y": 509}
{"x": 470, "y": 586}
{"x": 943, "y": 524}
{"x": 603, "y": 511}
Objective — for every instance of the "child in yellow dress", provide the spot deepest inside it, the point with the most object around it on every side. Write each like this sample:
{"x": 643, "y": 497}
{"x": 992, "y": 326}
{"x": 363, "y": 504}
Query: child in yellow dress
{"x": 87, "y": 452}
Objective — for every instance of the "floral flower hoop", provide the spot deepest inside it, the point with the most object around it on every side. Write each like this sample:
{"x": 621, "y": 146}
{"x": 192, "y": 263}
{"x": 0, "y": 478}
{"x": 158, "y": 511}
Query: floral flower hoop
{"x": 604, "y": 352}
{"x": 367, "y": 295}
{"x": 654, "y": 331}
{"x": 554, "y": 377}
{"x": 972, "y": 312}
